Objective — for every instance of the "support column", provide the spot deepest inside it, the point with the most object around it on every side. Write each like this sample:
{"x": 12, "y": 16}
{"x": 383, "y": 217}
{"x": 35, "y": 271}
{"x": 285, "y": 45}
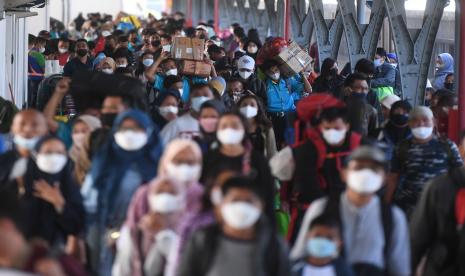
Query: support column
{"x": 216, "y": 15}
{"x": 361, "y": 8}
{"x": 461, "y": 57}
{"x": 287, "y": 19}
{"x": 302, "y": 23}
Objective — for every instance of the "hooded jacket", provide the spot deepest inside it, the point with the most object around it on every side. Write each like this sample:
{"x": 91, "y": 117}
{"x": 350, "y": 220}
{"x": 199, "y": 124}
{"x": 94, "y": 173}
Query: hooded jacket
{"x": 441, "y": 73}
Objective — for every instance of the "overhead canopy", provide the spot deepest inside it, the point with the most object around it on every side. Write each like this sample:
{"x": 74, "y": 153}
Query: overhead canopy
{"x": 22, "y": 4}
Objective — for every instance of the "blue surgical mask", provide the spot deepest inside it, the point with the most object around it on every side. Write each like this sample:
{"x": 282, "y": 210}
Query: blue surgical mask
{"x": 197, "y": 102}
{"x": 378, "y": 62}
{"x": 321, "y": 248}
{"x": 25, "y": 143}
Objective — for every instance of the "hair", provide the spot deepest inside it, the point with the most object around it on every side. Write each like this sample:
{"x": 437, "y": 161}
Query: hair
{"x": 354, "y": 77}
{"x": 121, "y": 53}
{"x": 405, "y": 105}
{"x": 239, "y": 32}
{"x": 124, "y": 70}
{"x": 333, "y": 113}
{"x": 242, "y": 182}
{"x": 381, "y": 52}
{"x": 326, "y": 66}
{"x": 198, "y": 86}
{"x": 365, "y": 66}
{"x": 261, "y": 118}
{"x": 269, "y": 63}
{"x": 64, "y": 39}
{"x": 447, "y": 100}
{"x": 254, "y": 36}
{"x": 243, "y": 120}
{"x": 325, "y": 220}
{"x": 81, "y": 40}
{"x": 127, "y": 100}
{"x": 170, "y": 80}
{"x": 123, "y": 39}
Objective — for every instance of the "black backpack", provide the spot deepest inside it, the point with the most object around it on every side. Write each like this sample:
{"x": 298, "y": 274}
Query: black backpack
{"x": 363, "y": 269}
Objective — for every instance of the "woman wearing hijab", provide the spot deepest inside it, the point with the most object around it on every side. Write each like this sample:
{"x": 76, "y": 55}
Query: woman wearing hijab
{"x": 82, "y": 128}
{"x": 235, "y": 153}
{"x": 107, "y": 65}
{"x": 51, "y": 203}
{"x": 252, "y": 46}
{"x": 167, "y": 107}
{"x": 119, "y": 168}
{"x": 149, "y": 231}
{"x": 209, "y": 115}
{"x": 444, "y": 67}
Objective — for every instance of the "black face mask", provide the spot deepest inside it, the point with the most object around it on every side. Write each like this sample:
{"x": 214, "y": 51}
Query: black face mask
{"x": 399, "y": 119}
{"x": 82, "y": 52}
{"x": 108, "y": 119}
{"x": 202, "y": 36}
{"x": 449, "y": 86}
{"x": 333, "y": 72}
{"x": 156, "y": 43}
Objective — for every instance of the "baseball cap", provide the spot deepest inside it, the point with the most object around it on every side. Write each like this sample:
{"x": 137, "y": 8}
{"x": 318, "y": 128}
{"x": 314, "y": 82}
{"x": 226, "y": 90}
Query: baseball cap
{"x": 389, "y": 100}
{"x": 421, "y": 111}
{"x": 202, "y": 27}
{"x": 392, "y": 56}
{"x": 246, "y": 62}
{"x": 368, "y": 153}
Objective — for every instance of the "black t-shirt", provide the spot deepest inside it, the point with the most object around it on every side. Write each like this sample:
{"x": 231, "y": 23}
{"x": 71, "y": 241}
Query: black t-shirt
{"x": 75, "y": 65}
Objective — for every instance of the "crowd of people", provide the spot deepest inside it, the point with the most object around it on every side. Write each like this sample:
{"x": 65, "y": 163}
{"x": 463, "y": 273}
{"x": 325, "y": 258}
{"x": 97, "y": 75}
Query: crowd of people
{"x": 245, "y": 172}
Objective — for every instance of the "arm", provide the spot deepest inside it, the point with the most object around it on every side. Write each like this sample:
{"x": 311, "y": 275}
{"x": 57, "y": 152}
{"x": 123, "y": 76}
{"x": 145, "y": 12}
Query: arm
{"x": 61, "y": 89}
{"x": 391, "y": 186}
{"x": 150, "y": 74}
{"x": 389, "y": 78}
{"x": 398, "y": 261}
{"x": 307, "y": 86}
{"x": 373, "y": 123}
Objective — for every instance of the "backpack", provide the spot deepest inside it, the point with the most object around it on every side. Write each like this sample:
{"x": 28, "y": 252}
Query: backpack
{"x": 332, "y": 209}
{"x": 459, "y": 182}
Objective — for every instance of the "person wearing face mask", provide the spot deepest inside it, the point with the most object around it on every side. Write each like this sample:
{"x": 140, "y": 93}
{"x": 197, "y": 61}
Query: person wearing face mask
{"x": 260, "y": 128}
{"x": 145, "y": 61}
{"x": 245, "y": 72}
{"x": 119, "y": 167}
{"x": 82, "y": 61}
{"x": 444, "y": 67}
{"x": 27, "y": 128}
{"x": 236, "y": 154}
{"x": 149, "y": 232}
{"x": 107, "y": 65}
{"x": 36, "y": 67}
{"x": 363, "y": 117}
{"x": 375, "y": 234}
{"x": 187, "y": 125}
{"x": 244, "y": 233}
{"x": 384, "y": 80}
{"x": 168, "y": 107}
{"x": 51, "y": 203}
{"x": 83, "y": 126}
{"x": 393, "y": 61}
{"x": 329, "y": 80}
{"x": 396, "y": 128}
{"x": 446, "y": 103}
{"x": 64, "y": 54}
{"x": 234, "y": 92}
{"x": 251, "y": 47}
{"x": 209, "y": 116}
{"x": 419, "y": 159}
{"x": 121, "y": 57}
{"x": 323, "y": 245}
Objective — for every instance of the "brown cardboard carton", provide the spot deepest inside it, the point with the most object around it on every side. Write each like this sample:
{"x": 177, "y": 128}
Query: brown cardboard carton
{"x": 187, "y": 48}
{"x": 293, "y": 60}
{"x": 196, "y": 68}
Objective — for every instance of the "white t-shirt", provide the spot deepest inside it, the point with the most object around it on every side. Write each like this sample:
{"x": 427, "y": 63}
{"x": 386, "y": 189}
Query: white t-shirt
{"x": 185, "y": 126}
{"x": 310, "y": 270}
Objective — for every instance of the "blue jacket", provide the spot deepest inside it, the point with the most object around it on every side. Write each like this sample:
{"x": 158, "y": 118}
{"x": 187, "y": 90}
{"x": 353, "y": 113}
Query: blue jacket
{"x": 186, "y": 84}
{"x": 282, "y": 95}
{"x": 340, "y": 267}
{"x": 385, "y": 76}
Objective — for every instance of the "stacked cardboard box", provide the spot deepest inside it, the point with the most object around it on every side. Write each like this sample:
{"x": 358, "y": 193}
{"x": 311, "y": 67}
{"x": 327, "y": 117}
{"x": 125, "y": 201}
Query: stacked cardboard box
{"x": 190, "y": 51}
{"x": 293, "y": 60}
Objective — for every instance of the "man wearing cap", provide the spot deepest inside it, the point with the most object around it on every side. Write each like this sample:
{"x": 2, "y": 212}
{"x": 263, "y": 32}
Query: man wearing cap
{"x": 384, "y": 80}
{"x": 419, "y": 159}
{"x": 245, "y": 72}
{"x": 376, "y": 239}
{"x": 392, "y": 58}
{"x": 386, "y": 104}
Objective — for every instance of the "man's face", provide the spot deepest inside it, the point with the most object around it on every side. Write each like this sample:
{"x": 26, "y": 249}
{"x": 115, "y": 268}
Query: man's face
{"x": 337, "y": 124}
{"x": 29, "y": 124}
{"x": 421, "y": 121}
{"x": 82, "y": 45}
{"x": 122, "y": 61}
{"x": 113, "y": 105}
{"x": 63, "y": 45}
{"x": 360, "y": 86}
{"x": 357, "y": 165}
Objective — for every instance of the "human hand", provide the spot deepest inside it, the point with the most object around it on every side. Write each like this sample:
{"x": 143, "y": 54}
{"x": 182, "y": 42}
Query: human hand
{"x": 62, "y": 86}
{"x": 50, "y": 194}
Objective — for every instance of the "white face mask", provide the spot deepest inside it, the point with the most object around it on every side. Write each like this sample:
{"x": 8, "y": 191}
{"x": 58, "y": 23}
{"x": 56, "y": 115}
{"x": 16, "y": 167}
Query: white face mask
{"x": 230, "y": 136}
{"x": 364, "y": 181}
{"x": 79, "y": 139}
{"x": 121, "y": 65}
{"x": 172, "y": 72}
{"x": 240, "y": 215}
{"x": 422, "y": 132}
{"x": 164, "y": 203}
{"x": 42, "y": 50}
{"x": 198, "y": 101}
{"x": 183, "y": 173}
{"x": 62, "y": 50}
{"x": 167, "y": 48}
{"x": 131, "y": 140}
{"x": 245, "y": 74}
{"x": 334, "y": 136}
{"x": 147, "y": 62}
{"x": 252, "y": 49}
{"x": 216, "y": 196}
{"x": 275, "y": 76}
{"x": 106, "y": 33}
{"x": 51, "y": 163}
{"x": 107, "y": 71}
{"x": 249, "y": 111}
{"x": 165, "y": 110}
{"x": 25, "y": 143}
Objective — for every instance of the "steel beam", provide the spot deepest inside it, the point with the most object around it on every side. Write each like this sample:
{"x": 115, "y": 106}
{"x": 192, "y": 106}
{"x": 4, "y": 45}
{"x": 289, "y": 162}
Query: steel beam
{"x": 275, "y": 11}
{"x": 328, "y": 34}
{"x": 414, "y": 54}
{"x": 302, "y": 23}
{"x": 362, "y": 39}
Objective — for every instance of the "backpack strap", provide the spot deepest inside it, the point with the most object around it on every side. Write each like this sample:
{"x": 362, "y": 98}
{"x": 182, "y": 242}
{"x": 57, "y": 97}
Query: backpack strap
{"x": 388, "y": 221}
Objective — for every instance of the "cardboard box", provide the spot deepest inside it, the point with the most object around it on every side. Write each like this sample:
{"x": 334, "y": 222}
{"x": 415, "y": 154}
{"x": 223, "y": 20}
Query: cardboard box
{"x": 293, "y": 60}
{"x": 187, "y": 48}
{"x": 196, "y": 68}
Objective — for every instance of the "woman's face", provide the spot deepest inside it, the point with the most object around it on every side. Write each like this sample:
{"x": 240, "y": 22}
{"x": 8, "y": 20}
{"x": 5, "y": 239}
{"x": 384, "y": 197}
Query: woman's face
{"x": 165, "y": 187}
{"x": 130, "y": 124}
{"x": 107, "y": 66}
{"x": 169, "y": 101}
{"x": 249, "y": 102}
{"x": 53, "y": 146}
{"x": 186, "y": 157}
{"x": 230, "y": 121}
{"x": 147, "y": 56}
{"x": 81, "y": 127}
{"x": 209, "y": 112}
